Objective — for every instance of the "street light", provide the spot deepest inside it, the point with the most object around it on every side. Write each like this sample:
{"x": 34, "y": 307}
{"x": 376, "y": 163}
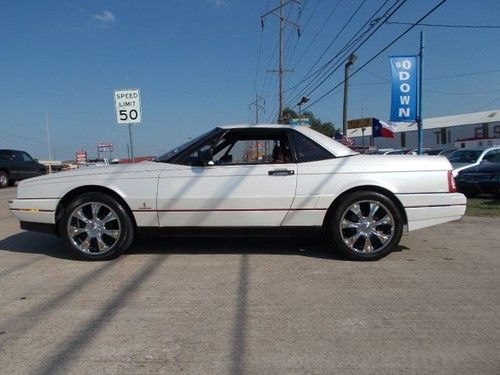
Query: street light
{"x": 351, "y": 60}
{"x": 304, "y": 100}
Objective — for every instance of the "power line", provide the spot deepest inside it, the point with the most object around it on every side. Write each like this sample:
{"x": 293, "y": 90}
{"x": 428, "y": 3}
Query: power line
{"x": 464, "y": 74}
{"x": 319, "y": 31}
{"x": 445, "y": 25}
{"x": 283, "y": 22}
{"x": 258, "y": 62}
{"x": 487, "y": 105}
{"x": 348, "y": 48}
{"x": 301, "y": 10}
{"x": 268, "y": 78}
{"x": 462, "y": 93}
{"x": 307, "y": 76}
{"x": 258, "y": 106}
{"x": 387, "y": 81}
{"x": 380, "y": 52}
{"x": 388, "y": 13}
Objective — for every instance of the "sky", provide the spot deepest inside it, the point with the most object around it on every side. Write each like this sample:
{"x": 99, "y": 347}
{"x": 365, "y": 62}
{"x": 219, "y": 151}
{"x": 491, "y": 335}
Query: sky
{"x": 200, "y": 63}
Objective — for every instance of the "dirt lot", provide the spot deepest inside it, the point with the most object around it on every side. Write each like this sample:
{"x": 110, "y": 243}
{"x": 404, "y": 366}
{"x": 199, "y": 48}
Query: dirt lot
{"x": 257, "y": 306}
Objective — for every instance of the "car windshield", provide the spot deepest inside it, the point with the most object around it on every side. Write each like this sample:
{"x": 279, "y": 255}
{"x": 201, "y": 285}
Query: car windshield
{"x": 465, "y": 156}
{"x": 166, "y": 157}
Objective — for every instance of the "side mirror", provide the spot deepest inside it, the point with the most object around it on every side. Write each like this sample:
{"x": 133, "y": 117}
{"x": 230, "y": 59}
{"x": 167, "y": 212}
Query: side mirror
{"x": 206, "y": 157}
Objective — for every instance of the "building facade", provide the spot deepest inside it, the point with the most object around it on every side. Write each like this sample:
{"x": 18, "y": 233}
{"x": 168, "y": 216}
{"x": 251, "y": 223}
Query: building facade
{"x": 466, "y": 130}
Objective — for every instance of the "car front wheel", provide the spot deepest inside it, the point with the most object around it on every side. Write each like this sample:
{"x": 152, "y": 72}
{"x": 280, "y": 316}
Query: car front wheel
{"x": 95, "y": 226}
{"x": 365, "y": 225}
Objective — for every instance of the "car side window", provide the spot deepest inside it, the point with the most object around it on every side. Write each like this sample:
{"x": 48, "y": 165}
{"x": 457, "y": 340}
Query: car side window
{"x": 18, "y": 156}
{"x": 254, "y": 146}
{"x": 491, "y": 155}
{"x": 308, "y": 150}
{"x": 26, "y": 157}
{"x": 5, "y": 155}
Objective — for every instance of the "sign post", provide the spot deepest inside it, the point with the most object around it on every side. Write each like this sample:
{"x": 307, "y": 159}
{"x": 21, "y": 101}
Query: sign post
{"x": 128, "y": 111}
{"x": 420, "y": 87}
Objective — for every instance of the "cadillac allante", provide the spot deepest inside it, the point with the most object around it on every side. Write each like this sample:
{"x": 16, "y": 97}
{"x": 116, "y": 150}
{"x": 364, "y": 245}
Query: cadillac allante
{"x": 245, "y": 179}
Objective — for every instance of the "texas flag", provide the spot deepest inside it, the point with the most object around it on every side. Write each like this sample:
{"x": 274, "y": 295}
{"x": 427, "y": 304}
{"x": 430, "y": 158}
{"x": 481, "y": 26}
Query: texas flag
{"x": 382, "y": 129}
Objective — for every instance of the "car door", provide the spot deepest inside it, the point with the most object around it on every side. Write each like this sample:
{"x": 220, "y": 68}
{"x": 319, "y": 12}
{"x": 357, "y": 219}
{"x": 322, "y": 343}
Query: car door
{"x": 16, "y": 165}
{"x": 22, "y": 167}
{"x": 30, "y": 167}
{"x": 242, "y": 177}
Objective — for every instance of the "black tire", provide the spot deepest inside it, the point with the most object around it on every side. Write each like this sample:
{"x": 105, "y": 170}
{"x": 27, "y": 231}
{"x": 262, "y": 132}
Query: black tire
{"x": 4, "y": 179}
{"x": 120, "y": 226}
{"x": 352, "y": 242}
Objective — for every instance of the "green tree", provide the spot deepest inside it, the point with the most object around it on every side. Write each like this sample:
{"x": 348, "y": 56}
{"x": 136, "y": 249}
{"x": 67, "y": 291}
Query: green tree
{"x": 327, "y": 127}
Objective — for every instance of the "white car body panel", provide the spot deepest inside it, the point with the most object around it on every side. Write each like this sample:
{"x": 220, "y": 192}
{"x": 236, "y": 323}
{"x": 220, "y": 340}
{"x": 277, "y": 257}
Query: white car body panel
{"x": 168, "y": 195}
{"x": 230, "y": 195}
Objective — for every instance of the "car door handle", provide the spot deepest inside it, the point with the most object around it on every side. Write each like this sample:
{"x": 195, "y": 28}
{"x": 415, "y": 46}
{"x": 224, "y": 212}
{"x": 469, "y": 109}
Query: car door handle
{"x": 281, "y": 172}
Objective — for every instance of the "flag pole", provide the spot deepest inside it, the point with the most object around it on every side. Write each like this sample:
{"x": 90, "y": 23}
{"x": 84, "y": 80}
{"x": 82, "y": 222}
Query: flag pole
{"x": 420, "y": 87}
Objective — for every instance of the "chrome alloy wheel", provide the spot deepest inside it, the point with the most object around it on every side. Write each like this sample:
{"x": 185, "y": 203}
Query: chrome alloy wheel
{"x": 93, "y": 228}
{"x": 367, "y": 226}
{"x": 4, "y": 181}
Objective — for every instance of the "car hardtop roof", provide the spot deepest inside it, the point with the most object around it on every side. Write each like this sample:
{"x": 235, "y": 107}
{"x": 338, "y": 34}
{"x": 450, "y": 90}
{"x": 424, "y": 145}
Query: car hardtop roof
{"x": 336, "y": 148}
{"x": 250, "y": 126}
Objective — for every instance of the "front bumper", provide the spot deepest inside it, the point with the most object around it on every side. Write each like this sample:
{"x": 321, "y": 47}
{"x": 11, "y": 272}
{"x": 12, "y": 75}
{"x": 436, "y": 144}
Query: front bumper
{"x": 35, "y": 210}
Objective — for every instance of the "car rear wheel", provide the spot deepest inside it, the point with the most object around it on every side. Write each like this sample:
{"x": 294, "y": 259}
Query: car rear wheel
{"x": 365, "y": 225}
{"x": 4, "y": 180}
{"x": 95, "y": 226}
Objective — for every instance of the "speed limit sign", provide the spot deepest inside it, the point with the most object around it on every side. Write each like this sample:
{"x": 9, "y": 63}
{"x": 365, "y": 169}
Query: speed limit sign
{"x": 128, "y": 106}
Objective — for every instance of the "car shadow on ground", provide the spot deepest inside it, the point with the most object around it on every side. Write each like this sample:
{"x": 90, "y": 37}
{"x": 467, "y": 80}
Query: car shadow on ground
{"x": 308, "y": 246}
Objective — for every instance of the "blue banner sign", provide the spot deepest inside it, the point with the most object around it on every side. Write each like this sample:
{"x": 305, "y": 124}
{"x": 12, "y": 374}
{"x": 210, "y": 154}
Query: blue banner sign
{"x": 404, "y": 88}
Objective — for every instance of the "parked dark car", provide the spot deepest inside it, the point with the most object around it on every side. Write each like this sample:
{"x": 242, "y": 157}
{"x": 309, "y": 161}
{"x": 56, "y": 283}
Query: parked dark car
{"x": 480, "y": 179}
{"x": 441, "y": 151}
{"x": 18, "y": 165}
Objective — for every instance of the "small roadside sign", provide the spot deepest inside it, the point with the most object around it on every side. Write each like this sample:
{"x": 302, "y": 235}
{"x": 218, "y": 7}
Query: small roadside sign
{"x": 105, "y": 147}
{"x": 128, "y": 106}
{"x": 81, "y": 157}
{"x": 300, "y": 121}
{"x": 360, "y": 123}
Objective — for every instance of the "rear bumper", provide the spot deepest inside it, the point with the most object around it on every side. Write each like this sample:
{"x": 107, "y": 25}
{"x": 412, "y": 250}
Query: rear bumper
{"x": 425, "y": 210}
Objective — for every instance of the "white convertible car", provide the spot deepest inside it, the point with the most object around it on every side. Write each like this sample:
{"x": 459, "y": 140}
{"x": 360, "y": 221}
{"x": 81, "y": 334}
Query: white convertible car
{"x": 245, "y": 179}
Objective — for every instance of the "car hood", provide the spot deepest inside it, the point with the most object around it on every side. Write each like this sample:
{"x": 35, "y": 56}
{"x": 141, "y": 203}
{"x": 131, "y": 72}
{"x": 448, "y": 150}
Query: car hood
{"x": 97, "y": 170}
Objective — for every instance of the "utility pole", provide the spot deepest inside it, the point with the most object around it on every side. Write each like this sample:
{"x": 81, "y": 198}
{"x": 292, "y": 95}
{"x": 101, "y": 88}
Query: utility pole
{"x": 278, "y": 11}
{"x": 420, "y": 87}
{"x": 48, "y": 138}
{"x": 131, "y": 143}
{"x": 258, "y": 106}
{"x": 351, "y": 60}
{"x": 47, "y": 133}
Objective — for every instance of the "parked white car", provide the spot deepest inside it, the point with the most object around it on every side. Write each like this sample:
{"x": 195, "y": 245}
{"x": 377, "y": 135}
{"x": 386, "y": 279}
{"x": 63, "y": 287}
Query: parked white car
{"x": 468, "y": 157}
{"x": 245, "y": 178}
